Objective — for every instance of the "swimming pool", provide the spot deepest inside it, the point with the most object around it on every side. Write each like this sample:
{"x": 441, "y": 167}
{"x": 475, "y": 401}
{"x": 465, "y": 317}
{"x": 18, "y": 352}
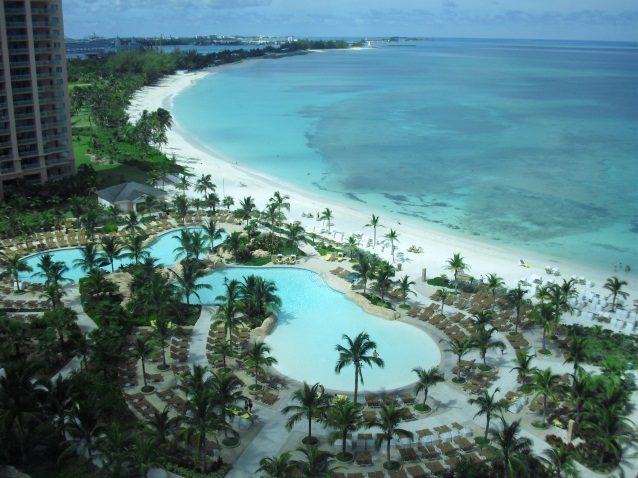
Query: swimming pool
{"x": 311, "y": 323}
{"x": 162, "y": 250}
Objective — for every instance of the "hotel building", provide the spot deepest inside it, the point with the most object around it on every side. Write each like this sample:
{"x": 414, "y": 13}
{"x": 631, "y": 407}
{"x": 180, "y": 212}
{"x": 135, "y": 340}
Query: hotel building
{"x": 35, "y": 120}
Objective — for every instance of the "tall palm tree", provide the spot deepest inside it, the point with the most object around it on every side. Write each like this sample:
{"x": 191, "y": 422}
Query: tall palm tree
{"x": 192, "y": 271}
{"x": 184, "y": 183}
{"x": 543, "y": 315}
{"x": 14, "y": 265}
{"x": 257, "y": 357}
{"x": 204, "y": 184}
{"x": 111, "y": 250}
{"x": 442, "y": 294}
{"x": 460, "y": 347}
{"x": 84, "y": 427}
{"x": 615, "y": 285}
{"x": 112, "y": 448}
{"x": 484, "y": 342}
{"x": 561, "y": 462}
{"x": 364, "y": 268}
{"x": 392, "y": 236}
{"x": 213, "y": 233}
{"x": 405, "y": 286}
{"x": 356, "y": 353}
{"x": 89, "y": 256}
{"x": 374, "y": 223}
{"x": 492, "y": 283}
{"x": 146, "y": 453}
{"x": 278, "y": 466}
{"x": 211, "y": 201}
{"x": 132, "y": 222}
{"x": 511, "y": 450}
{"x": 281, "y": 202}
{"x": 258, "y": 299}
{"x": 580, "y": 392}
{"x": 163, "y": 426}
{"x": 272, "y": 218}
{"x": 316, "y": 463}
{"x": 544, "y": 383}
{"x": 523, "y": 366}
{"x": 516, "y": 298}
{"x": 20, "y": 407}
{"x": 456, "y": 264}
{"x": 150, "y": 202}
{"x": 327, "y": 215}
{"x": 482, "y": 319}
{"x": 560, "y": 300}
{"x": 226, "y": 392}
{"x": 144, "y": 349}
{"x": 163, "y": 331}
{"x": 426, "y": 380}
{"x": 488, "y": 405}
{"x": 135, "y": 248}
{"x": 352, "y": 246}
{"x": 228, "y": 310}
{"x": 389, "y": 419}
{"x": 345, "y": 417}
{"x": 228, "y": 202}
{"x": 181, "y": 205}
{"x": 577, "y": 351}
{"x": 383, "y": 274}
{"x": 312, "y": 406}
{"x": 296, "y": 233}
{"x": 246, "y": 208}
{"x": 610, "y": 429}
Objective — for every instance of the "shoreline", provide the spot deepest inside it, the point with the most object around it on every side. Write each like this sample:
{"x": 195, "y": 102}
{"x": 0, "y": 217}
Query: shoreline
{"x": 238, "y": 181}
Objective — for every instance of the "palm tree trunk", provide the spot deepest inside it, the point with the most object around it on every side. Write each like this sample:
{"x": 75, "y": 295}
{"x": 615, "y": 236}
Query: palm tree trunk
{"x": 388, "y": 453}
{"x": 487, "y": 425}
{"x": 144, "y": 373}
{"x": 356, "y": 383}
{"x": 343, "y": 446}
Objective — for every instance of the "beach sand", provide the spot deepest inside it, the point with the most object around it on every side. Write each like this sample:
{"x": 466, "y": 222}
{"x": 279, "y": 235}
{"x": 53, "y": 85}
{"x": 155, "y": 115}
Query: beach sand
{"x": 232, "y": 179}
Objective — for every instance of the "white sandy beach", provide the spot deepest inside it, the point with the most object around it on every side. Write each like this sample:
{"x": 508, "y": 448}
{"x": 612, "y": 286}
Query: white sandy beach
{"x": 234, "y": 180}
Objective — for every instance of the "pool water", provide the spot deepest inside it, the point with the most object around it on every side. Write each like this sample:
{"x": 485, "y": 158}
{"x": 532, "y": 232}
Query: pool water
{"x": 311, "y": 323}
{"x": 162, "y": 249}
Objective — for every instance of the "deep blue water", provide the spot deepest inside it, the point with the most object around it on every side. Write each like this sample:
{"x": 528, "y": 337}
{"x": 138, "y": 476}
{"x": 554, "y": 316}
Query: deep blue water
{"x": 532, "y": 144}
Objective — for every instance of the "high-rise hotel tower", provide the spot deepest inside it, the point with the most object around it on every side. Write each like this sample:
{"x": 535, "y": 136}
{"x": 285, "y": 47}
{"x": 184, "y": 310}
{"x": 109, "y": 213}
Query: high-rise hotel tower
{"x": 35, "y": 121}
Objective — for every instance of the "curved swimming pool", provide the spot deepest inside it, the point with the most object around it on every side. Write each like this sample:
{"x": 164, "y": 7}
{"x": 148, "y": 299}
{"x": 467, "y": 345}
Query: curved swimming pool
{"x": 162, "y": 249}
{"x": 311, "y": 323}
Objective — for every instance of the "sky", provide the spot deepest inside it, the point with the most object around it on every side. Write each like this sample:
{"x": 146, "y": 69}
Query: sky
{"x": 605, "y": 20}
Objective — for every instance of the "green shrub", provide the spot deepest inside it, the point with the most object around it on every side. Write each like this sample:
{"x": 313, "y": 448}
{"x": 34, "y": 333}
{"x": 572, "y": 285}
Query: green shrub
{"x": 109, "y": 227}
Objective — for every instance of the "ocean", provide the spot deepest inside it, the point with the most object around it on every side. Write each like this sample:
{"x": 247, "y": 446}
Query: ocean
{"x": 528, "y": 144}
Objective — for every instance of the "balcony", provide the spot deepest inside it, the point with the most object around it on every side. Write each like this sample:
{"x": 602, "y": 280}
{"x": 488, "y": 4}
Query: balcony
{"x": 26, "y": 141}
{"x": 10, "y": 170}
{"x": 31, "y": 166}
{"x": 61, "y": 148}
{"x": 21, "y": 116}
{"x": 56, "y": 161}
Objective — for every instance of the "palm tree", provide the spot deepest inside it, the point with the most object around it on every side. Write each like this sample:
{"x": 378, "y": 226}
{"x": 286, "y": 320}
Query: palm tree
{"x": 561, "y": 462}
{"x": 60, "y": 395}
{"x": 89, "y": 256}
{"x": 150, "y": 202}
{"x": 560, "y": 300}
{"x": 345, "y": 417}
{"x": 326, "y": 215}
{"x": 135, "y": 248}
{"x": 181, "y": 205}
{"x": 228, "y": 202}
{"x": 192, "y": 271}
{"x": 147, "y": 453}
{"x": 83, "y": 427}
{"x": 484, "y": 342}
{"x": 364, "y": 268}
{"x": 388, "y": 422}
{"x": 544, "y": 383}
{"x": 610, "y": 429}
{"x": 392, "y": 236}
{"x": 211, "y": 201}
{"x": 405, "y": 286}
{"x": 132, "y": 222}
{"x": 352, "y": 246}
{"x": 426, "y": 379}
{"x": 163, "y": 426}
{"x": 512, "y": 451}
{"x": 227, "y": 311}
{"x": 516, "y": 298}
{"x": 163, "y": 331}
{"x": 580, "y": 392}
{"x": 442, "y": 294}
{"x": 374, "y": 223}
{"x": 246, "y": 208}
{"x": 543, "y": 315}
{"x": 492, "y": 283}
{"x": 278, "y": 466}
{"x": 281, "y": 202}
{"x": 257, "y": 357}
{"x": 226, "y": 392}
{"x": 204, "y": 184}
{"x": 111, "y": 250}
{"x": 296, "y": 233}
{"x": 213, "y": 233}
{"x": 312, "y": 406}
{"x": 384, "y": 273}
{"x": 184, "y": 183}
{"x": 577, "y": 351}
{"x": 456, "y": 264}
{"x": 112, "y": 448}
{"x": 460, "y": 347}
{"x": 20, "y": 408}
{"x": 614, "y": 285}
{"x": 258, "y": 299}
{"x": 356, "y": 354}
{"x": 482, "y": 319}
{"x": 316, "y": 463}
{"x": 144, "y": 349}
{"x": 14, "y": 265}
{"x": 523, "y": 366}
{"x": 488, "y": 405}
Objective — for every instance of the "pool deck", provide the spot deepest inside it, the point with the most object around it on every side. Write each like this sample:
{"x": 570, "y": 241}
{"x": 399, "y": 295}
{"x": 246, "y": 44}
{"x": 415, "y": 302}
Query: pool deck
{"x": 268, "y": 436}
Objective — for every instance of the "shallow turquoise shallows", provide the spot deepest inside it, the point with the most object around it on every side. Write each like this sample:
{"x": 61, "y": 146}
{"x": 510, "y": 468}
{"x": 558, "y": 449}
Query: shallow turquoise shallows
{"x": 163, "y": 250}
{"x": 311, "y": 323}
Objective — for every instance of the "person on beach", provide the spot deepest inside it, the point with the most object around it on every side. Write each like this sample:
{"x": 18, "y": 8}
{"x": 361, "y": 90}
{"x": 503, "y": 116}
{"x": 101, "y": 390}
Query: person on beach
{"x": 250, "y": 406}
{"x": 321, "y": 390}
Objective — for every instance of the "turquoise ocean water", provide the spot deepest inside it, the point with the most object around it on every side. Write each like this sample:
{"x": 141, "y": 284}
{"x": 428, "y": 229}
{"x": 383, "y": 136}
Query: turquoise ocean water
{"x": 531, "y": 144}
